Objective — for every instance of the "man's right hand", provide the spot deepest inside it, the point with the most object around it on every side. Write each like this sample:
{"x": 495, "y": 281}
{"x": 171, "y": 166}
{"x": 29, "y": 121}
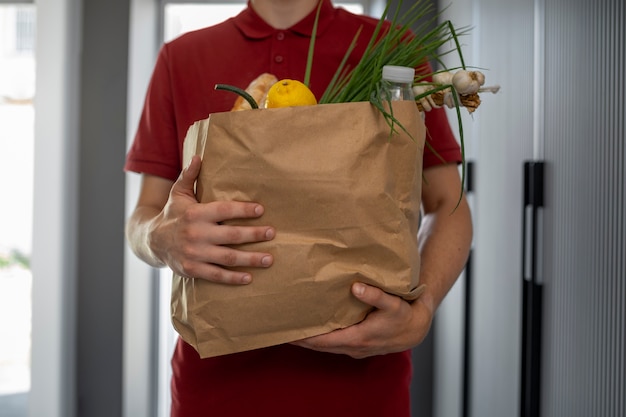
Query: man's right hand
{"x": 189, "y": 237}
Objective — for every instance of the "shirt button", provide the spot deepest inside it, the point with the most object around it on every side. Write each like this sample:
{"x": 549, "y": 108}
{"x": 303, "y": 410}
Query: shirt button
{"x": 278, "y": 58}
{"x": 280, "y": 36}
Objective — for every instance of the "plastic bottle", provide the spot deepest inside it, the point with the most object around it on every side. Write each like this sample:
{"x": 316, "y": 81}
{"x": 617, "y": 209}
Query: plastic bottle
{"x": 397, "y": 83}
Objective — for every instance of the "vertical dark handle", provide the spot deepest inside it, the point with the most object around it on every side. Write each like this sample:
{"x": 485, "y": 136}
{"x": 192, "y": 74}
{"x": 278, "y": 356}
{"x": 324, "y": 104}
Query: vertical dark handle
{"x": 532, "y": 288}
{"x": 467, "y": 322}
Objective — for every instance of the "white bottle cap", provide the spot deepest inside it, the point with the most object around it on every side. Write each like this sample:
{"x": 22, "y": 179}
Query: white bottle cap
{"x": 398, "y": 74}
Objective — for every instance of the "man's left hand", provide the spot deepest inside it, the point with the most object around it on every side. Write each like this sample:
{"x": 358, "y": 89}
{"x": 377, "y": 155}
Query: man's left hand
{"x": 394, "y": 325}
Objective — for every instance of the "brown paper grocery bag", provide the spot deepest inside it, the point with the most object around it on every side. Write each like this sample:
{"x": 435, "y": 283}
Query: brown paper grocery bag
{"x": 344, "y": 197}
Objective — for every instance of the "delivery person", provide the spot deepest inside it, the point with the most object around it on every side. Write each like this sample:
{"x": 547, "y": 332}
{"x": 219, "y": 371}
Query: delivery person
{"x": 363, "y": 370}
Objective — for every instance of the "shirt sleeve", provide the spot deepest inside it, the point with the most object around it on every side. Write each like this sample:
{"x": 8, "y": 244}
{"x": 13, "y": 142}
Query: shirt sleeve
{"x": 441, "y": 146}
{"x": 155, "y": 148}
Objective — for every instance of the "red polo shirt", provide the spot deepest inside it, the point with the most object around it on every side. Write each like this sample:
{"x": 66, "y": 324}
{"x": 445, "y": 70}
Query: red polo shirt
{"x": 283, "y": 380}
{"x": 235, "y": 52}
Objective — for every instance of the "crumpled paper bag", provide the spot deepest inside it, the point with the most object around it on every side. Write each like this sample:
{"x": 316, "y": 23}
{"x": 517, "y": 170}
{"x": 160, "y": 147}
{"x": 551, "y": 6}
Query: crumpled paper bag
{"x": 343, "y": 194}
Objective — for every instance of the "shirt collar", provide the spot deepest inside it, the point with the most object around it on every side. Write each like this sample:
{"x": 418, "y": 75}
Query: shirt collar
{"x": 252, "y": 26}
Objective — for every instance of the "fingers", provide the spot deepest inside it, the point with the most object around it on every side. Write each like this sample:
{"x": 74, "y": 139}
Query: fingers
{"x": 228, "y": 210}
{"x": 188, "y": 176}
{"x": 375, "y": 297}
{"x": 236, "y": 235}
{"x": 203, "y": 223}
{"x": 223, "y": 256}
{"x": 205, "y": 246}
{"x": 218, "y": 273}
{"x": 221, "y": 263}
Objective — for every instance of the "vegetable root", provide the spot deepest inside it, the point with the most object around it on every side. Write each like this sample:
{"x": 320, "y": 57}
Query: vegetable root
{"x": 465, "y": 84}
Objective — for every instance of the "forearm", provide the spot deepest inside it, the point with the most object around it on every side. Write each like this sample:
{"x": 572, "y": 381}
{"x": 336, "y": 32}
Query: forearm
{"x": 444, "y": 241}
{"x": 138, "y": 235}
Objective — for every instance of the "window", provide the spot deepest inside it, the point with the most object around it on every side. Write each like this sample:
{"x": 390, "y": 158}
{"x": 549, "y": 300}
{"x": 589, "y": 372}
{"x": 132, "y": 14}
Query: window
{"x": 24, "y": 30}
{"x": 17, "y": 89}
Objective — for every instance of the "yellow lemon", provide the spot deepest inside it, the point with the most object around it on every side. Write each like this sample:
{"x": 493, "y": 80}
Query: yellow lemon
{"x": 288, "y": 93}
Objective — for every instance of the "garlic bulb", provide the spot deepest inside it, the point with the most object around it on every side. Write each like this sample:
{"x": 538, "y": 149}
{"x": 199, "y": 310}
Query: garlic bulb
{"x": 468, "y": 82}
{"x": 443, "y": 78}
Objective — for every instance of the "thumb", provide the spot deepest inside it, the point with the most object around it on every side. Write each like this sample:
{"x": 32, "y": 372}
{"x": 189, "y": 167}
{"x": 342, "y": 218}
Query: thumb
{"x": 188, "y": 177}
{"x": 373, "y": 296}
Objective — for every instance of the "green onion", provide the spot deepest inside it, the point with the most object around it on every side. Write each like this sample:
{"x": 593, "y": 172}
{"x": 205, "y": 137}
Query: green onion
{"x": 309, "y": 61}
{"x": 401, "y": 43}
